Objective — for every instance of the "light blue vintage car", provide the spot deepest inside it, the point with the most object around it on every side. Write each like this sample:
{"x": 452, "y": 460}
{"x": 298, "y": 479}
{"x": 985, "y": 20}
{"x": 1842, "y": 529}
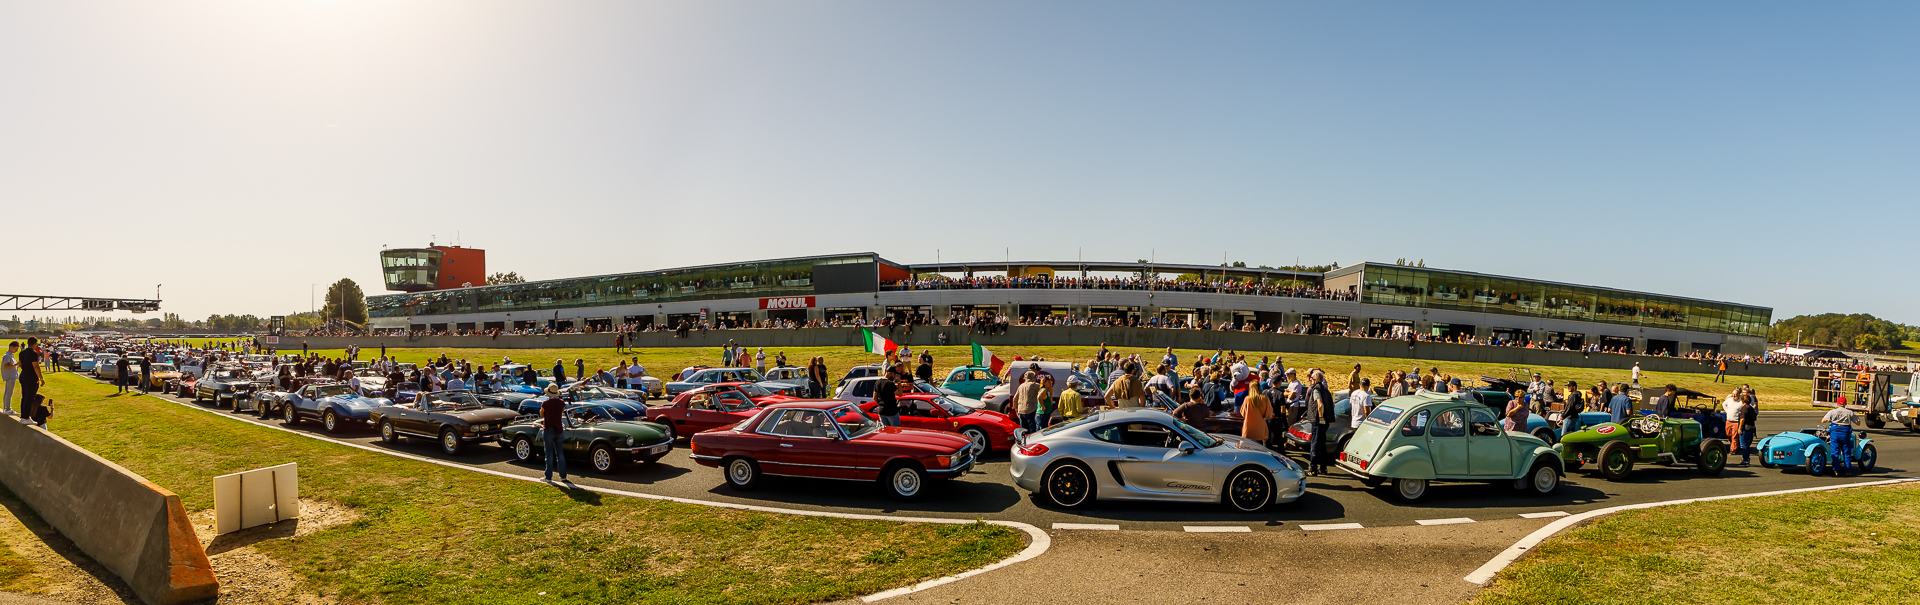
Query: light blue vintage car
{"x": 1807, "y": 448}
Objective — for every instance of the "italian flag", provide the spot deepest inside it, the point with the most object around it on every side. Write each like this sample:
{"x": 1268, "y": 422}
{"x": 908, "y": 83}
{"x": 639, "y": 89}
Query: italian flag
{"x": 877, "y": 344}
{"x": 984, "y": 358}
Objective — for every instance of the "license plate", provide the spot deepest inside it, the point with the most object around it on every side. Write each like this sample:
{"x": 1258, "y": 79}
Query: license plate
{"x": 659, "y": 448}
{"x": 1779, "y": 455}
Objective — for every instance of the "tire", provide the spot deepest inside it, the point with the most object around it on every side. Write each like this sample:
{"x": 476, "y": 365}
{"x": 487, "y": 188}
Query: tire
{"x": 287, "y": 414}
{"x": 1547, "y": 436}
{"x": 450, "y": 441}
{"x": 1874, "y": 421}
{"x": 1410, "y": 490}
{"x": 1542, "y": 480}
{"x": 523, "y": 449}
{"x": 1868, "y": 456}
{"x": 387, "y": 434}
{"x": 1713, "y": 457}
{"x": 1068, "y": 485}
{"x": 1249, "y": 490}
{"x": 601, "y": 458}
{"x": 1765, "y": 455}
{"x": 332, "y": 422}
{"x": 1817, "y": 461}
{"x": 673, "y": 435}
{"x": 905, "y": 482}
{"x": 981, "y": 444}
{"x": 1616, "y": 461}
{"x": 743, "y": 474}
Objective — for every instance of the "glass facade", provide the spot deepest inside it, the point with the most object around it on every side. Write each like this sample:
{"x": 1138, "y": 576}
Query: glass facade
{"x": 791, "y": 277}
{"x": 1436, "y": 289}
{"x": 410, "y": 270}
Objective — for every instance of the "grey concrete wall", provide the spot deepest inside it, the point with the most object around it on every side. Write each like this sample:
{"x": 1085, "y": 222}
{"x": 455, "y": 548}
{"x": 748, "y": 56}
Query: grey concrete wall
{"x": 1133, "y": 338}
{"x": 133, "y": 527}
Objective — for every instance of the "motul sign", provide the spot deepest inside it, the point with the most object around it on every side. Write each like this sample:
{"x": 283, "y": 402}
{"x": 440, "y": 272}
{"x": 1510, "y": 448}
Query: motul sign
{"x": 787, "y": 302}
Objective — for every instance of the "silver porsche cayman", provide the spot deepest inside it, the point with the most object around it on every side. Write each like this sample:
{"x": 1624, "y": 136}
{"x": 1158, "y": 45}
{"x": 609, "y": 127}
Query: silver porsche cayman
{"x": 1145, "y": 454}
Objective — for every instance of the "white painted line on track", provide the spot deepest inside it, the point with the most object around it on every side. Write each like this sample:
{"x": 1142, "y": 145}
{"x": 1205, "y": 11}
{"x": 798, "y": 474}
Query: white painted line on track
{"x": 1331, "y": 526}
{"x": 1453, "y": 521}
{"x": 1038, "y": 546}
{"x": 1485, "y": 573}
{"x": 1094, "y": 526}
{"x": 1557, "y": 513}
{"x": 1217, "y": 529}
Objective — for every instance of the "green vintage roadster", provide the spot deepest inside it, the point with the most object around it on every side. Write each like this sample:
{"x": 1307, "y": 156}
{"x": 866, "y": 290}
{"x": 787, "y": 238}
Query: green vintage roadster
{"x": 601, "y": 442}
{"x": 1615, "y": 448}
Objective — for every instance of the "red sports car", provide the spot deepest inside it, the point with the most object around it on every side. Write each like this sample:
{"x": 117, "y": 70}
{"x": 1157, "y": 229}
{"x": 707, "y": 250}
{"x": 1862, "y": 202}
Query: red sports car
{"x": 831, "y": 439}
{"x": 989, "y": 431}
{"x": 704, "y": 409}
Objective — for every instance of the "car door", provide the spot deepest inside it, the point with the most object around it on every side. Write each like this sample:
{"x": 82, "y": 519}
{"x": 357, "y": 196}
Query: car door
{"x": 809, "y": 446}
{"x": 922, "y": 414}
{"x": 1488, "y": 452}
{"x": 1148, "y": 458}
{"x": 1447, "y": 443}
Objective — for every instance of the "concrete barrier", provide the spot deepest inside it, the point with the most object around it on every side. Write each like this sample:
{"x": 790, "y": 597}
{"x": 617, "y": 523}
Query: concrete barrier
{"x": 133, "y": 527}
{"x": 1129, "y": 338}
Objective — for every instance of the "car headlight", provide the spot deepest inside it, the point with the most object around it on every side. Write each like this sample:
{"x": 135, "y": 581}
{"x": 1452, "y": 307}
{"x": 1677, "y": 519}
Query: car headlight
{"x": 630, "y": 441}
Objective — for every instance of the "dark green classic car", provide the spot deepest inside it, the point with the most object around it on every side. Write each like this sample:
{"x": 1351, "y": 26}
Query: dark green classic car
{"x": 592, "y": 437}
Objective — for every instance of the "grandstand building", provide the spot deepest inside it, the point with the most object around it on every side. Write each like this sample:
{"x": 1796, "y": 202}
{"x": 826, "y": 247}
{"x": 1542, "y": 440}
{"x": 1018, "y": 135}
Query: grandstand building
{"x": 1367, "y": 298}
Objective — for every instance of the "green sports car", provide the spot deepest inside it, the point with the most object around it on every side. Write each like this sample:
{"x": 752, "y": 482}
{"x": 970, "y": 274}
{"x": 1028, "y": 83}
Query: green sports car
{"x": 1645, "y": 439}
{"x": 600, "y": 441}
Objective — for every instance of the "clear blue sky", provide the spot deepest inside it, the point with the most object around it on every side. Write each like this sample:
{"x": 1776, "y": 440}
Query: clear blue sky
{"x": 1758, "y": 152}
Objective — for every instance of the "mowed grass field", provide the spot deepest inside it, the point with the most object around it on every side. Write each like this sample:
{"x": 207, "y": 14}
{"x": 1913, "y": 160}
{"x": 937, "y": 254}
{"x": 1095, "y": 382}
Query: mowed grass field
{"x": 1846, "y": 546}
{"x": 1775, "y": 393}
{"x": 432, "y": 534}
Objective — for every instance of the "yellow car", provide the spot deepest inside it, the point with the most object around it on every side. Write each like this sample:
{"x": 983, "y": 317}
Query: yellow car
{"x": 162, "y": 374}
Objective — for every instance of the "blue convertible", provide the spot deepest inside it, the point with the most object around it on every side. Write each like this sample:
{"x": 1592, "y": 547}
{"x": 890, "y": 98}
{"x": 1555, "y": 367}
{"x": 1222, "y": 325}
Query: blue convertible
{"x": 1808, "y": 449}
{"x": 332, "y": 403}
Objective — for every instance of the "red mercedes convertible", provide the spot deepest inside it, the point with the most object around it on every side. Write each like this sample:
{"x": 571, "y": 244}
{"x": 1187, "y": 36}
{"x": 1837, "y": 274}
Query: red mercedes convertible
{"x": 831, "y": 439}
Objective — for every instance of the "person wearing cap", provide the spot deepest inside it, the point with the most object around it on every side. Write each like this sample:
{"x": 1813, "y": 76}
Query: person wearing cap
{"x": 1071, "y": 406}
{"x": 552, "y": 424}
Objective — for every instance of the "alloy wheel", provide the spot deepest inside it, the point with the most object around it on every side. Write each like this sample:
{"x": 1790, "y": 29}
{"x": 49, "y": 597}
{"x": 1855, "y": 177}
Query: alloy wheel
{"x": 1067, "y": 485}
{"x": 523, "y": 449}
{"x": 907, "y": 482}
{"x": 602, "y": 459}
{"x": 1250, "y": 491}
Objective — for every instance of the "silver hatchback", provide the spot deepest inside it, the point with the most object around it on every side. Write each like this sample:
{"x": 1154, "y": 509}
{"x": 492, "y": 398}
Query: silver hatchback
{"x": 1144, "y": 454}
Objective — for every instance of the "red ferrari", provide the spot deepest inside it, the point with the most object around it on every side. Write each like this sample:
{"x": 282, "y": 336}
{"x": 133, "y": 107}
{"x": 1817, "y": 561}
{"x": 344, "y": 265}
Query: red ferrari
{"x": 831, "y": 439}
{"x": 989, "y": 431}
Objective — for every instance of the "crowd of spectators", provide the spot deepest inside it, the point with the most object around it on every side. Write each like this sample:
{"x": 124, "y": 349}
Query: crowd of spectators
{"x": 1045, "y": 282}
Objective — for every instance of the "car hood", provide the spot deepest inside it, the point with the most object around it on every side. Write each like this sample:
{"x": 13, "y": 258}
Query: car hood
{"x": 356, "y": 401}
{"x": 1794, "y": 437}
{"x": 938, "y": 441}
{"x": 484, "y": 415}
{"x": 1606, "y": 431}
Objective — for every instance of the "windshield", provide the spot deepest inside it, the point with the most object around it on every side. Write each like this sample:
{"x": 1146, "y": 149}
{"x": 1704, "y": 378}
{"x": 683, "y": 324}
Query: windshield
{"x": 754, "y": 390}
{"x": 1089, "y": 418}
{"x": 329, "y": 391}
{"x": 455, "y": 399}
{"x": 1198, "y": 437}
{"x": 852, "y": 422}
{"x": 1384, "y": 415}
{"x": 163, "y": 367}
{"x": 953, "y": 409}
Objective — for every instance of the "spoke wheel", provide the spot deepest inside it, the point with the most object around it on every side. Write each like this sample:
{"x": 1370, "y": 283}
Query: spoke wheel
{"x": 979, "y": 439}
{"x": 1250, "y": 490}
{"x": 523, "y": 449}
{"x": 1069, "y": 486}
{"x": 602, "y": 458}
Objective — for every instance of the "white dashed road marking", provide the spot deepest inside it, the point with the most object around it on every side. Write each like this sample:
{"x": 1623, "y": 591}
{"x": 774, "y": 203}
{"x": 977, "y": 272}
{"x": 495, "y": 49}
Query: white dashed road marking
{"x": 1453, "y": 521}
{"x": 1328, "y": 526}
{"x": 1557, "y": 513}
{"x": 1217, "y": 529}
{"x": 1086, "y": 526}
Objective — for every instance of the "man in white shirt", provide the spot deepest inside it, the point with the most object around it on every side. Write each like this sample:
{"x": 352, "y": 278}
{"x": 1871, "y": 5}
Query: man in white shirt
{"x": 456, "y": 384}
{"x": 1735, "y": 407}
{"x": 1361, "y": 402}
{"x": 1636, "y": 374}
{"x": 760, "y": 359}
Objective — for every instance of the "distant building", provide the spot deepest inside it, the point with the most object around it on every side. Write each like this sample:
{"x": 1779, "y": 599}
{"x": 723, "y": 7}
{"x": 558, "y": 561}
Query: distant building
{"x": 433, "y": 268}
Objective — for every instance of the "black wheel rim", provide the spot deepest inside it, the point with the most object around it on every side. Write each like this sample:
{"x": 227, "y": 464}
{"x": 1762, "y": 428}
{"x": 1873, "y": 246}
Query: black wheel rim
{"x": 1250, "y": 491}
{"x": 1068, "y": 486}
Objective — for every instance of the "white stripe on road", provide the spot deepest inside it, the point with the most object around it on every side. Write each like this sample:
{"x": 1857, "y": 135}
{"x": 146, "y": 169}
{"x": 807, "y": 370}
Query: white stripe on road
{"x": 1485, "y": 573}
{"x": 1217, "y": 529}
{"x": 1086, "y": 526}
{"x": 1453, "y": 521}
{"x": 1557, "y": 513}
{"x": 1328, "y": 526}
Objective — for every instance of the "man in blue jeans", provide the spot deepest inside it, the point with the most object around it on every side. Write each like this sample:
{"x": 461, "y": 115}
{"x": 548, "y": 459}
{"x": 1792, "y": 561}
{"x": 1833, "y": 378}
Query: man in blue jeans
{"x": 553, "y": 423}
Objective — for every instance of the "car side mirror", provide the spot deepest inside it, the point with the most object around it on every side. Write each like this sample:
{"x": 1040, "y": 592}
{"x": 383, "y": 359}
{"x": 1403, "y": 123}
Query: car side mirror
{"x": 1187, "y": 447}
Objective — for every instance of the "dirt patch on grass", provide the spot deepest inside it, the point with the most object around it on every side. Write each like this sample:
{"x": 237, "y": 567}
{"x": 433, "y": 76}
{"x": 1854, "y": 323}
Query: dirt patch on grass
{"x": 56, "y": 569}
{"x": 249, "y": 576}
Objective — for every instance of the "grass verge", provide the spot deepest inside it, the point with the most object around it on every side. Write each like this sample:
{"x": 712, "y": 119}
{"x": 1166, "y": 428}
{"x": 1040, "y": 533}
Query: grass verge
{"x": 1775, "y": 393}
{"x": 432, "y": 534}
{"x": 1845, "y": 546}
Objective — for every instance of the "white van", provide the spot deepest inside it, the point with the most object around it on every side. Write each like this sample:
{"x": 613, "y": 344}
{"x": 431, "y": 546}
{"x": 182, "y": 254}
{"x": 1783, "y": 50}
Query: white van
{"x": 1000, "y": 398}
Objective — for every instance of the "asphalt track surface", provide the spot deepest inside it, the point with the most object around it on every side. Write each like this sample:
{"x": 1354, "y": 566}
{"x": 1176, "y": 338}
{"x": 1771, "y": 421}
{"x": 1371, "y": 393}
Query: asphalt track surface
{"x": 988, "y": 491}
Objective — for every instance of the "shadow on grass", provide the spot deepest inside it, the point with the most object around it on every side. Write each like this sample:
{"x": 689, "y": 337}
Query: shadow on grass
{"x": 253, "y": 535}
{"x": 65, "y": 548}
